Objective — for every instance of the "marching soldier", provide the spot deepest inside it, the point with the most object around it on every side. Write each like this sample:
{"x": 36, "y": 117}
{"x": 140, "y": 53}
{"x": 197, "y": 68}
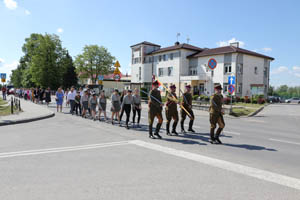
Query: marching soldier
{"x": 216, "y": 116}
{"x": 155, "y": 110}
{"x": 187, "y": 104}
{"x": 171, "y": 110}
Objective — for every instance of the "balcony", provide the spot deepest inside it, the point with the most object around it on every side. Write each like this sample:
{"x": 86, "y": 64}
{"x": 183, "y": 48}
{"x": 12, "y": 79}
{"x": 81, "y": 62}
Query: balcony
{"x": 199, "y": 76}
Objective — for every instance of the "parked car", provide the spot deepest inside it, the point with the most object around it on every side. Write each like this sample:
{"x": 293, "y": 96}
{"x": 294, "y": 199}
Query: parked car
{"x": 11, "y": 91}
{"x": 293, "y": 100}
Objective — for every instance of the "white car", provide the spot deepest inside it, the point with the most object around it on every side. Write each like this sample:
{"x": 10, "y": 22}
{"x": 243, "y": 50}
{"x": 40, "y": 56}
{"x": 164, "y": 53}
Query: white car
{"x": 293, "y": 100}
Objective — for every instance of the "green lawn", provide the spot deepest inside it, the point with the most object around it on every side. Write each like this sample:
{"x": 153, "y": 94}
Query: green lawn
{"x": 237, "y": 112}
{"x": 248, "y": 105}
{"x": 5, "y": 109}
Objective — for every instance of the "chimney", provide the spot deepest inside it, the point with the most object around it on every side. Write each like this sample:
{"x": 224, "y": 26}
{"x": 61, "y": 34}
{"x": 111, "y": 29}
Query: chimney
{"x": 177, "y": 43}
{"x": 235, "y": 44}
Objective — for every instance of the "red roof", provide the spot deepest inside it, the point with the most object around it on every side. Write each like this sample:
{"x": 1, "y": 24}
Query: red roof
{"x": 111, "y": 76}
{"x": 146, "y": 43}
{"x": 177, "y": 46}
{"x": 227, "y": 49}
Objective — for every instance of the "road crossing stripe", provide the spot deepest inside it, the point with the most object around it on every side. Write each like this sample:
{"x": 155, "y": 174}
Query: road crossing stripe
{"x": 61, "y": 149}
{"x": 289, "y": 142}
{"x": 222, "y": 164}
{"x": 230, "y": 132}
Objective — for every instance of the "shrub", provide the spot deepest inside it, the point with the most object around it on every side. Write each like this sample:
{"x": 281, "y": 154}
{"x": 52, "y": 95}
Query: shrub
{"x": 254, "y": 101}
{"x": 238, "y": 99}
{"x": 195, "y": 97}
{"x": 206, "y": 98}
{"x": 242, "y": 99}
{"x": 261, "y": 101}
{"x": 226, "y": 100}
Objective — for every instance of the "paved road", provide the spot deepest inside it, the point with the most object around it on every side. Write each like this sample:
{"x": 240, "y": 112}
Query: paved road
{"x": 67, "y": 157}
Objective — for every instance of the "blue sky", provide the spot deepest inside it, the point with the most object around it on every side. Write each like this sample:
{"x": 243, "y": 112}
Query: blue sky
{"x": 265, "y": 26}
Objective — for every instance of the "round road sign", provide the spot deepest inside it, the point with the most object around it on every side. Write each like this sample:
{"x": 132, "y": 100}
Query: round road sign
{"x": 212, "y": 63}
{"x": 117, "y": 77}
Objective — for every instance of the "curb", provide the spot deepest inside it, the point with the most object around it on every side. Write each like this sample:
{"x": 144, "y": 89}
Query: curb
{"x": 11, "y": 122}
{"x": 257, "y": 111}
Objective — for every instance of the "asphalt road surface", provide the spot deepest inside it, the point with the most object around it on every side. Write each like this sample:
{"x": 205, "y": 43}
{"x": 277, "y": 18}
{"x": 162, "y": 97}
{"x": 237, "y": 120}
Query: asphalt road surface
{"x": 68, "y": 157}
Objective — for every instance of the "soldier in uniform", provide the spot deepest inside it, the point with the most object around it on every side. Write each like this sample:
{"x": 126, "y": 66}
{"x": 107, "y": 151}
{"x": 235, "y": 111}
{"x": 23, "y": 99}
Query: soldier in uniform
{"x": 187, "y": 104}
{"x": 155, "y": 110}
{"x": 171, "y": 110}
{"x": 216, "y": 115}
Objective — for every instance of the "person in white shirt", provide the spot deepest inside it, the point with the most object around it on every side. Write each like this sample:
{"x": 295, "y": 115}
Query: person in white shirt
{"x": 71, "y": 99}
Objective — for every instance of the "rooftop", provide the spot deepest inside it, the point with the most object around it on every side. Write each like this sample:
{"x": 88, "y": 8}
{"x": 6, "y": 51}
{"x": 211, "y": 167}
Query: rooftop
{"x": 226, "y": 49}
{"x": 146, "y": 43}
{"x": 177, "y": 46}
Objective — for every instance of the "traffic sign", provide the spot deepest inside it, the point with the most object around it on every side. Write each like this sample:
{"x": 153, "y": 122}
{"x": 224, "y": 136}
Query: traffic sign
{"x": 117, "y": 77}
{"x": 117, "y": 71}
{"x": 212, "y": 63}
{"x": 3, "y": 77}
{"x": 231, "y": 80}
{"x": 231, "y": 89}
{"x": 117, "y": 64}
{"x": 100, "y": 77}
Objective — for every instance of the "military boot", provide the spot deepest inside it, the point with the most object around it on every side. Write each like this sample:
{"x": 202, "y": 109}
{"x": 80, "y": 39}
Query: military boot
{"x": 174, "y": 128}
{"x": 157, "y": 130}
{"x": 191, "y": 126}
{"x": 150, "y": 132}
{"x": 212, "y": 137}
{"x": 168, "y": 128}
{"x": 218, "y": 135}
{"x": 182, "y": 127}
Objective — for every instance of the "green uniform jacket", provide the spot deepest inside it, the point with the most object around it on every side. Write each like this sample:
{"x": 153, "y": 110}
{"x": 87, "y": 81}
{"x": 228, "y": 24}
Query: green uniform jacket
{"x": 171, "y": 106}
{"x": 155, "y": 106}
{"x": 187, "y": 100}
{"x": 216, "y": 104}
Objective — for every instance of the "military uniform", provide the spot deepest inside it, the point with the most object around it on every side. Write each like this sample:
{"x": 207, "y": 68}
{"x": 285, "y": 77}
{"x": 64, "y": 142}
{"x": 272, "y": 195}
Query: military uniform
{"x": 187, "y": 104}
{"x": 155, "y": 110}
{"x": 216, "y": 117}
{"x": 171, "y": 112}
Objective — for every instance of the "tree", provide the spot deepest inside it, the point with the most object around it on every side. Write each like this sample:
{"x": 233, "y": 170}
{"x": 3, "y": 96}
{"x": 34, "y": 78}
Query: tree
{"x": 94, "y": 61}
{"x": 69, "y": 78}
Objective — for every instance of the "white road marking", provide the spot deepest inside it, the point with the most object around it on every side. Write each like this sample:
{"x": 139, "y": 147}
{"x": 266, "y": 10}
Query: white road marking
{"x": 233, "y": 167}
{"x": 61, "y": 149}
{"x": 289, "y": 142}
{"x": 253, "y": 120}
{"x": 231, "y": 132}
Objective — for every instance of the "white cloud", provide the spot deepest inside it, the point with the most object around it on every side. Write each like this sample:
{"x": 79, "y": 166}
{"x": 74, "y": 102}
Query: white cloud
{"x": 296, "y": 68}
{"x": 280, "y": 70}
{"x": 60, "y": 30}
{"x": 297, "y": 74}
{"x": 8, "y": 67}
{"x": 227, "y": 43}
{"x": 267, "y": 49}
{"x": 27, "y": 12}
{"x": 1, "y": 60}
{"x": 10, "y": 4}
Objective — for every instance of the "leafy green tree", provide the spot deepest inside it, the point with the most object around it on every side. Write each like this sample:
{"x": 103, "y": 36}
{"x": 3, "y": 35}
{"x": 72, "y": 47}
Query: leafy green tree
{"x": 94, "y": 61}
{"x": 69, "y": 78}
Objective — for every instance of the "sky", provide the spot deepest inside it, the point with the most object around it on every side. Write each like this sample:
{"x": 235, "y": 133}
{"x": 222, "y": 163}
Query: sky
{"x": 265, "y": 26}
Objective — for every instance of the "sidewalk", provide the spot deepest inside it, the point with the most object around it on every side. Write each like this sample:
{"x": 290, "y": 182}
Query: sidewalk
{"x": 31, "y": 112}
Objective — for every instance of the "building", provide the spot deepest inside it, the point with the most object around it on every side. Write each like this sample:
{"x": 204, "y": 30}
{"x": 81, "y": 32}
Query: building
{"x": 184, "y": 64}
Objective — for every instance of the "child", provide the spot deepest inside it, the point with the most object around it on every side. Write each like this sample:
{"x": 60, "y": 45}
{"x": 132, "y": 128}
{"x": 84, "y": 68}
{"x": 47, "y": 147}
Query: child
{"x": 102, "y": 105}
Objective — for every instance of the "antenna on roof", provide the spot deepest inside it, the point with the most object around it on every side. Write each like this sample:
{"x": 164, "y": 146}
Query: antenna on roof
{"x": 188, "y": 39}
{"x": 178, "y": 34}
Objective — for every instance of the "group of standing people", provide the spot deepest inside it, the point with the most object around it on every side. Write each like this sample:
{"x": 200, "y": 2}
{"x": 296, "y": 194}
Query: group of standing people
{"x": 156, "y": 106}
{"x": 36, "y": 95}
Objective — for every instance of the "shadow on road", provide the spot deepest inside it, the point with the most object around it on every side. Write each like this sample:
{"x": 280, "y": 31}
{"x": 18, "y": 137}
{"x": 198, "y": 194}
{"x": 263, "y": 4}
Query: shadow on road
{"x": 250, "y": 147}
{"x": 183, "y": 141}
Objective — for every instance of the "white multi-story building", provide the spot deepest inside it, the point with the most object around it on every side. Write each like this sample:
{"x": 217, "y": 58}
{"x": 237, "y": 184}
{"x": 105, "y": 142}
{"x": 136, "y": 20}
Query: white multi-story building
{"x": 184, "y": 64}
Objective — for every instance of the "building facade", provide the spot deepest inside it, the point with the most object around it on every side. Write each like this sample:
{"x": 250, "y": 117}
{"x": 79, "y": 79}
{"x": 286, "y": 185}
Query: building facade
{"x": 184, "y": 64}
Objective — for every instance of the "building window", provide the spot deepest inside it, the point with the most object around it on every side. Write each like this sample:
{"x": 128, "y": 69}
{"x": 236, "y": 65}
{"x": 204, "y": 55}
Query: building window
{"x": 240, "y": 88}
{"x": 265, "y": 72}
{"x": 140, "y": 73}
{"x": 255, "y": 70}
{"x": 159, "y": 58}
{"x": 227, "y": 68}
{"x": 160, "y": 72}
{"x": 170, "y": 71}
{"x": 171, "y": 56}
{"x": 225, "y": 87}
{"x": 164, "y": 57}
{"x": 240, "y": 68}
{"x": 193, "y": 70}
